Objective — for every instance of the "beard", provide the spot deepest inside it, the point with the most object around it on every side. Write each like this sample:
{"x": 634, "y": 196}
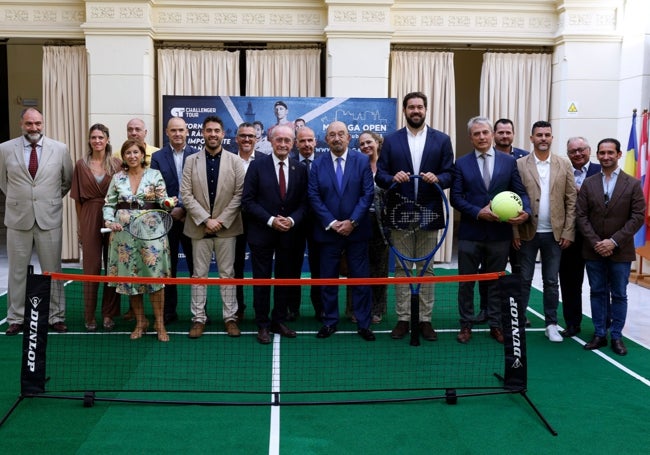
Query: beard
{"x": 33, "y": 137}
{"x": 415, "y": 124}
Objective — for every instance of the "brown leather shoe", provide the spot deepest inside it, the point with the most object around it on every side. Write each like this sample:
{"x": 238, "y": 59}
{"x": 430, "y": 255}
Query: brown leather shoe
{"x": 400, "y": 330}
{"x": 278, "y": 327}
{"x": 60, "y": 327}
{"x": 232, "y": 329}
{"x": 14, "y": 329}
{"x": 464, "y": 335}
{"x": 496, "y": 333}
{"x": 196, "y": 331}
{"x": 595, "y": 343}
{"x": 618, "y": 347}
{"x": 427, "y": 332}
{"x": 263, "y": 336}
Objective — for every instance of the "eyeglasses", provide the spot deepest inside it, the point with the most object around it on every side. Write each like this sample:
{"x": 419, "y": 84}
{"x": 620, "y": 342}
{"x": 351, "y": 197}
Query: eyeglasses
{"x": 246, "y": 136}
{"x": 576, "y": 150}
{"x": 340, "y": 134}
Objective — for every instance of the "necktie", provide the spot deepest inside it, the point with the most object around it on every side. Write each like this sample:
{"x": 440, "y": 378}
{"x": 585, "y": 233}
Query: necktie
{"x": 308, "y": 161}
{"x": 486, "y": 171}
{"x": 33, "y": 162}
{"x": 283, "y": 182}
{"x": 339, "y": 172}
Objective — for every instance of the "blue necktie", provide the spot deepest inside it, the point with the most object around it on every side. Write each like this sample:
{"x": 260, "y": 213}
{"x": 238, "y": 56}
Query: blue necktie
{"x": 339, "y": 172}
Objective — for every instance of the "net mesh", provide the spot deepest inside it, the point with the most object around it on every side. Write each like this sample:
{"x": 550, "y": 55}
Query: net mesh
{"x": 216, "y": 363}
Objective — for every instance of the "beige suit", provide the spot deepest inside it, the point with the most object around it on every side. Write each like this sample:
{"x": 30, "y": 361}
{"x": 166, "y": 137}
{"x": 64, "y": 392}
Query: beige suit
{"x": 227, "y": 210}
{"x": 562, "y": 198}
{"x": 34, "y": 217}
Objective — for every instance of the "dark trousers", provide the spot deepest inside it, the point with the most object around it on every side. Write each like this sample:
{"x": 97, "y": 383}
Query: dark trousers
{"x": 358, "y": 267}
{"x": 572, "y": 272}
{"x": 240, "y": 260}
{"x": 176, "y": 238}
{"x": 287, "y": 264}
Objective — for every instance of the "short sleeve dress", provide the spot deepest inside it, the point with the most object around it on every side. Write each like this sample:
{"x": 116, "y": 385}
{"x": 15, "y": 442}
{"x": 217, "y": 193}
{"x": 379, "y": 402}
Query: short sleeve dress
{"x": 128, "y": 256}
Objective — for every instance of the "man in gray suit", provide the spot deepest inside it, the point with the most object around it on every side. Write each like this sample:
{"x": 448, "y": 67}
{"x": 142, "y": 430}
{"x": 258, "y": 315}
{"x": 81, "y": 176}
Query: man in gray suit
{"x": 35, "y": 174}
{"x": 211, "y": 190}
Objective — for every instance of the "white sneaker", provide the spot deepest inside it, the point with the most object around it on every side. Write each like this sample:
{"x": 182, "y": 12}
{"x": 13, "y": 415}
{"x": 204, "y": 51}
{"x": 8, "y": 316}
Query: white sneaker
{"x": 553, "y": 334}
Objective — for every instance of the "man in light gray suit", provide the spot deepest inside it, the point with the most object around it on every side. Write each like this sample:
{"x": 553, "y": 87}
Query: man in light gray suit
{"x": 35, "y": 174}
{"x": 211, "y": 189}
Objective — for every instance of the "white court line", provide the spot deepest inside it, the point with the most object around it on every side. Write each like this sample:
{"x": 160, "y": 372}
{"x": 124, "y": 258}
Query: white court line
{"x": 605, "y": 357}
{"x": 274, "y": 430}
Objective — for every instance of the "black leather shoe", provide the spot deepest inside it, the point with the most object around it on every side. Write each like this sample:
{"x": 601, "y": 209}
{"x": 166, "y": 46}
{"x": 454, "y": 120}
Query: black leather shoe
{"x": 570, "y": 331}
{"x": 326, "y": 331}
{"x": 263, "y": 336}
{"x": 427, "y": 332}
{"x": 277, "y": 327}
{"x": 618, "y": 347}
{"x": 366, "y": 334}
{"x": 14, "y": 329}
{"x": 595, "y": 343}
{"x": 481, "y": 317}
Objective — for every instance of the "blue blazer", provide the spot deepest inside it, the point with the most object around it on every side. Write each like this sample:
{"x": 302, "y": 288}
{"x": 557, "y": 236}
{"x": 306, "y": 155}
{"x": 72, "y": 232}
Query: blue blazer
{"x": 468, "y": 195}
{"x": 351, "y": 202}
{"x": 261, "y": 200}
{"x": 163, "y": 160}
{"x": 518, "y": 153}
{"x": 437, "y": 157}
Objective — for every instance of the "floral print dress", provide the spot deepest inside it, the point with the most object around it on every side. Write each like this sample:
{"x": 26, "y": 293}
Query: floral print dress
{"x": 128, "y": 256}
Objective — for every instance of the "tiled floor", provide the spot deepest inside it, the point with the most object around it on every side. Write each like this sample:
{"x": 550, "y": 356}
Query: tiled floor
{"x": 637, "y": 327}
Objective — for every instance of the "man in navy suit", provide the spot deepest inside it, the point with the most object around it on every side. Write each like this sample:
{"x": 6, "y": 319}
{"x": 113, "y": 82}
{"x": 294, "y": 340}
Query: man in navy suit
{"x": 483, "y": 241}
{"x": 170, "y": 160}
{"x": 275, "y": 202}
{"x": 572, "y": 264}
{"x": 420, "y": 150}
{"x": 341, "y": 191}
{"x": 504, "y": 136}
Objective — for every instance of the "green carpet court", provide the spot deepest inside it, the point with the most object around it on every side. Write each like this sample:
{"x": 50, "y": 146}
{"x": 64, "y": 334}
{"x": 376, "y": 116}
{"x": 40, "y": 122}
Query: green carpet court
{"x": 596, "y": 403}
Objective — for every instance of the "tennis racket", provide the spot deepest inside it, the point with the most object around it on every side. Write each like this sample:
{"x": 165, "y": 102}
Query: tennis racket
{"x": 403, "y": 222}
{"x": 148, "y": 225}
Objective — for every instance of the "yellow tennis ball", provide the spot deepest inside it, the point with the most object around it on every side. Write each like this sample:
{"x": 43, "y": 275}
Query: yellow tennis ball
{"x": 506, "y": 205}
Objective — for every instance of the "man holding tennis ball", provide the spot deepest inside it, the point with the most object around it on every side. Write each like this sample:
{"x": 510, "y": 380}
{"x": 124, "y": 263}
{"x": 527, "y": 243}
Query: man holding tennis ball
{"x": 483, "y": 237}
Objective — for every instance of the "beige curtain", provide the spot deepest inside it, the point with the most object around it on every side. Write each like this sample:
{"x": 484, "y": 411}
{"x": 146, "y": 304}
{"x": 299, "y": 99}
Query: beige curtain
{"x": 198, "y": 72}
{"x": 65, "y": 111}
{"x": 431, "y": 73}
{"x": 518, "y": 87}
{"x": 286, "y": 72}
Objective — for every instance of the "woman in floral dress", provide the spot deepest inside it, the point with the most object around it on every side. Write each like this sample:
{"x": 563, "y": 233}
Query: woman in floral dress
{"x": 131, "y": 191}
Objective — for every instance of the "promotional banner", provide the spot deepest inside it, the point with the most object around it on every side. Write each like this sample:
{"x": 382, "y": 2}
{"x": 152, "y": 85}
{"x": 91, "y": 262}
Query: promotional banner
{"x": 360, "y": 114}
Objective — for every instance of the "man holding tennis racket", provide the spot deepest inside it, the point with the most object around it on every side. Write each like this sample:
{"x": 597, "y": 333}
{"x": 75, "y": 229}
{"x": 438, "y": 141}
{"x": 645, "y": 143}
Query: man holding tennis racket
{"x": 416, "y": 150}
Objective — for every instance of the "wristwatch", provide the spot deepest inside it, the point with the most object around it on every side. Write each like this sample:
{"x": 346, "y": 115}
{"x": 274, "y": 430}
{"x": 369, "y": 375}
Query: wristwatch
{"x": 354, "y": 223}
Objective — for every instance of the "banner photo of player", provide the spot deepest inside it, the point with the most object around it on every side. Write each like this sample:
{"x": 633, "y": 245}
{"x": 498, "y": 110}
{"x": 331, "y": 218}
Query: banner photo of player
{"x": 265, "y": 113}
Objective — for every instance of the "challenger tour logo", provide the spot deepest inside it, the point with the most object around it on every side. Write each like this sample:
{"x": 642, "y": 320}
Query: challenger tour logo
{"x": 33, "y": 333}
{"x": 516, "y": 337}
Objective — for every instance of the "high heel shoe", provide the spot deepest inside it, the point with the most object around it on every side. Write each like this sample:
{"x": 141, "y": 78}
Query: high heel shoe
{"x": 139, "y": 330}
{"x": 109, "y": 324}
{"x": 91, "y": 326}
{"x": 161, "y": 332}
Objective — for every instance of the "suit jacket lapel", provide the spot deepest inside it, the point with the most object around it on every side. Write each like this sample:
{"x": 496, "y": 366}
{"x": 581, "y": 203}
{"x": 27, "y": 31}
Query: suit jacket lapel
{"x": 169, "y": 154}
{"x": 201, "y": 172}
{"x": 404, "y": 142}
